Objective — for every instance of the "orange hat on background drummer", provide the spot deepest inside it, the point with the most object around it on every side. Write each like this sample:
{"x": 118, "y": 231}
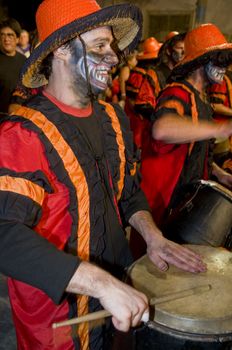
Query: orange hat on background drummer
{"x": 170, "y": 35}
{"x": 150, "y": 49}
{"x": 203, "y": 44}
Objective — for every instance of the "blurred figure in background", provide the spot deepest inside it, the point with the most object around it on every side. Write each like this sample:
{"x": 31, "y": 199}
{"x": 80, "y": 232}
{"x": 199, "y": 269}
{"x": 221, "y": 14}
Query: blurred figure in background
{"x": 154, "y": 81}
{"x": 11, "y": 61}
{"x": 145, "y": 59}
{"x": 24, "y": 46}
{"x": 220, "y": 95}
{"x": 124, "y": 74}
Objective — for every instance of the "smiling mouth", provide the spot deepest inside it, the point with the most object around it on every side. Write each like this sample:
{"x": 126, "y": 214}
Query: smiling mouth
{"x": 100, "y": 77}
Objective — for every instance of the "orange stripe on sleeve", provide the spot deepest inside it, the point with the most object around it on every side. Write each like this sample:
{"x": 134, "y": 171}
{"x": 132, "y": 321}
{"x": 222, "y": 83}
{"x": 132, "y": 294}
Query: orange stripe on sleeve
{"x": 193, "y": 109}
{"x": 22, "y": 186}
{"x": 173, "y": 104}
{"x": 121, "y": 147}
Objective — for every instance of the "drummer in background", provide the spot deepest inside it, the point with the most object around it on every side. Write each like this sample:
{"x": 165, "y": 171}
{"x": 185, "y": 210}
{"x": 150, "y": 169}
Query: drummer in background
{"x": 221, "y": 100}
{"x": 179, "y": 149}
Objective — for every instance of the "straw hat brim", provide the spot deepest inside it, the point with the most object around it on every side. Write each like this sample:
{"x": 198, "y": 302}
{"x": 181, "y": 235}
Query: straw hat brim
{"x": 126, "y": 23}
{"x": 191, "y": 62}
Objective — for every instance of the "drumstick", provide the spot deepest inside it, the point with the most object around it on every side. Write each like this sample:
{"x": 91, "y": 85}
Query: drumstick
{"x": 153, "y": 301}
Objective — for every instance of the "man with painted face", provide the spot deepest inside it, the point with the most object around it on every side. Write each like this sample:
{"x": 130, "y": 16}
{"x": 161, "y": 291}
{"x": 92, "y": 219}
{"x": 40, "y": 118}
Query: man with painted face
{"x": 183, "y": 132}
{"x": 69, "y": 183}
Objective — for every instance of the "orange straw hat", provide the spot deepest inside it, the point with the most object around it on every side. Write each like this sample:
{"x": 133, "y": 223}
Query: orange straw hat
{"x": 150, "y": 49}
{"x": 59, "y": 21}
{"x": 203, "y": 44}
{"x": 170, "y": 35}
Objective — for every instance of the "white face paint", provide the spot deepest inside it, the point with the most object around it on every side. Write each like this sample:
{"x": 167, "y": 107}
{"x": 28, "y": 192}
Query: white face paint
{"x": 100, "y": 58}
{"x": 214, "y": 73}
{"x": 177, "y": 52}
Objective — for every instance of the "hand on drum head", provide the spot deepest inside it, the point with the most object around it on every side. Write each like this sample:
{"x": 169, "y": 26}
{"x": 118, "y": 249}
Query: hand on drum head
{"x": 226, "y": 180}
{"x": 163, "y": 252}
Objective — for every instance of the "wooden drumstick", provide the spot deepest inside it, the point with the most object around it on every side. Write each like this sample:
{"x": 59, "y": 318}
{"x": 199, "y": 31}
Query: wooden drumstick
{"x": 153, "y": 301}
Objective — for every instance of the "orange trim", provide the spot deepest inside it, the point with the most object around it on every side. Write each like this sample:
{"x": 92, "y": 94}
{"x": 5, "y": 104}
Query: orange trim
{"x": 152, "y": 74}
{"x": 121, "y": 147}
{"x": 132, "y": 89}
{"x": 22, "y": 186}
{"x": 78, "y": 179}
{"x": 229, "y": 89}
{"x": 193, "y": 108}
{"x": 133, "y": 171}
{"x": 140, "y": 70}
{"x": 218, "y": 95}
{"x": 175, "y": 105}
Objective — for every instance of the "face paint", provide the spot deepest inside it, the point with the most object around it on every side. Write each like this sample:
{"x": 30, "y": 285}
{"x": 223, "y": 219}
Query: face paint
{"x": 214, "y": 74}
{"x": 99, "y": 56}
{"x": 177, "y": 52}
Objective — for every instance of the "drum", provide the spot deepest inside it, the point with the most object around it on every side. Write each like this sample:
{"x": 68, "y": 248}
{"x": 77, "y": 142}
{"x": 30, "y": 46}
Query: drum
{"x": 204, "y": 218}
{"x": 201, "y": 321}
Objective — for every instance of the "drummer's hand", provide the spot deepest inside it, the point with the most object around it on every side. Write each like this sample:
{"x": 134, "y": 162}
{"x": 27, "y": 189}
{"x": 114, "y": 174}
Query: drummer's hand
{"x": 126, "y": 304}
{"x": 160, "y": 250}
{"x": 163, "y": 252}
{"x": 223, "y": 177}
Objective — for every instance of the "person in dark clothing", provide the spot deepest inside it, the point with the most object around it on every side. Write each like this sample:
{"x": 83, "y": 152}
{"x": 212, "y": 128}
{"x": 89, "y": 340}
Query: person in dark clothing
{"x": 69, "y": 181}
{"x": 11, "y": 61}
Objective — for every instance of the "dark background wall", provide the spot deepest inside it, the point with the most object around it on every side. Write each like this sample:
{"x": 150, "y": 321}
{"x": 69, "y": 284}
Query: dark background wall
{"x": 23, "y": 11}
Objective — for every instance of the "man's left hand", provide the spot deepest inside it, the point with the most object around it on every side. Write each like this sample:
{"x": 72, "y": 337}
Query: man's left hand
{"x": 163, "y": 252}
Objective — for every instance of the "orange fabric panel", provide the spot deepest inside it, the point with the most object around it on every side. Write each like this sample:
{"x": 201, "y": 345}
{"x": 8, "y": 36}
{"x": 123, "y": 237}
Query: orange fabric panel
{"x": 219, "y": 95}
{"x": 155, "y": 79}
{"x": 22, "y": 186}
{"x": 229, "y": 89}
{"x": 121, "y": 147}
{"x": 78, "y": 179}
{"x": 175, "y": 105}
{"x": 193, "y": 109}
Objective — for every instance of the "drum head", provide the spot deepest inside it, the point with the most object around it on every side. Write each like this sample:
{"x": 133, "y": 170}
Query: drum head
{"x": 206, "y": 313}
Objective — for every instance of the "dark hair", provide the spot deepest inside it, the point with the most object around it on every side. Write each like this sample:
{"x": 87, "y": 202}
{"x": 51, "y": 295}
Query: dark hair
{"x": 46, "y": 66}
{"x": 169, "y": 44}
{"x": 13, "y": 24}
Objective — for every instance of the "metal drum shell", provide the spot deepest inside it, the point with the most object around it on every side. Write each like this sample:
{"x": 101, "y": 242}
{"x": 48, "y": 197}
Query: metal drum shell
{"x": 205, "y": 217}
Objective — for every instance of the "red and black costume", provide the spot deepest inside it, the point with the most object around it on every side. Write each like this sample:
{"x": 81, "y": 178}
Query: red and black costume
{"x": 168, "y": 168}
{"x": 222, "y": 94}
{"x": 153, "y": 82}
{"x": 66, "y": 185}
{"x": 137, "y": 122}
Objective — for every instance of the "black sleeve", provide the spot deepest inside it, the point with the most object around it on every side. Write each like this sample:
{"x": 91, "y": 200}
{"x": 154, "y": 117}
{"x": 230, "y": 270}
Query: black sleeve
{"x": 146, "y": 110}
{"x": 30, "y": 258}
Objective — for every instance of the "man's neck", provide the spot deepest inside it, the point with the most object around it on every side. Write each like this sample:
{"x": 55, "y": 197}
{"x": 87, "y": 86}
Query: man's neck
{"x": 197, "y": 80}
{"x": 62, "y": 92}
